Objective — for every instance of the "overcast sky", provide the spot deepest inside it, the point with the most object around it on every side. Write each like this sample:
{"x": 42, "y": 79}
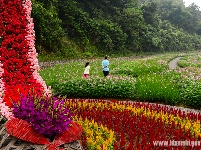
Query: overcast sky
{"x": 188, "y": 2}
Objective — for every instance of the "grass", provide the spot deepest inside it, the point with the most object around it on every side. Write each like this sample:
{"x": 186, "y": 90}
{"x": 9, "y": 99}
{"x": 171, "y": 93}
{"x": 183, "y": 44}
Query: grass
{"x": 139, "y": 79}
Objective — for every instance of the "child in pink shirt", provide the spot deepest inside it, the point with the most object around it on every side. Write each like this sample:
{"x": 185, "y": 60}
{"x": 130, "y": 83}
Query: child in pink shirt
{"x": 86, "y": 70}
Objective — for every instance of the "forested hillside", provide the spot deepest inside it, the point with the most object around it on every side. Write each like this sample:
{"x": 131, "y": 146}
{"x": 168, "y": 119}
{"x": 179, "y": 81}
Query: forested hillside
{"x": 77, "y": 28}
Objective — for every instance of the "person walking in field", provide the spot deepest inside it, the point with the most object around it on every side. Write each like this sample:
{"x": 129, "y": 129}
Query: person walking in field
{"x": 86, "y": 70}
{"x": 105, "y": 66}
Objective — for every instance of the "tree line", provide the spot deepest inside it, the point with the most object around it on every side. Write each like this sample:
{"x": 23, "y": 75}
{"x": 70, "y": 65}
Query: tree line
{"x": 91, "y": 27}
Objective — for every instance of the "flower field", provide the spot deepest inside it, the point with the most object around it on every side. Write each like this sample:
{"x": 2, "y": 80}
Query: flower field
{"x": 128, "y": 125}
{"x": 140, "y": 79}
{"x": 99, "y": 104}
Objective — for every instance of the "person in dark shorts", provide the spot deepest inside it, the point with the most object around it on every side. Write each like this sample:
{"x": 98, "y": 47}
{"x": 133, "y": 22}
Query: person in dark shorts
{"x": 105, "y": 66}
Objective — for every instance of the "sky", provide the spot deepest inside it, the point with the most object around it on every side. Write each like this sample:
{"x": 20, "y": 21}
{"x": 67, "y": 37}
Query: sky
{"x": 188, "y": 2}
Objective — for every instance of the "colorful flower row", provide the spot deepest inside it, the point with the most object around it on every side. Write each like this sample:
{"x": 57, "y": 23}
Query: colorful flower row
{"x": 96, "y": 137}
{"x": 18, "y": 62}
{"x": 137, "y": 125}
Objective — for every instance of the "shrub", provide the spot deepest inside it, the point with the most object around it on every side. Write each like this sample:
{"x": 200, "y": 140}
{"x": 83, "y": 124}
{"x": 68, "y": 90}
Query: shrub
{"x": 113, "y": 87}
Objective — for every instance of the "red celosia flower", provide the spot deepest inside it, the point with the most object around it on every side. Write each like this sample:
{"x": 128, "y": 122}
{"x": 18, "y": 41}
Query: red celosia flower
{"x": 18, "y": 74}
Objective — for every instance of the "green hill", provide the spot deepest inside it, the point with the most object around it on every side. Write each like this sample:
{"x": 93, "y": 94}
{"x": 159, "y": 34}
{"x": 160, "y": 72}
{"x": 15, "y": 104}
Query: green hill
{"x": 76, "y": 29}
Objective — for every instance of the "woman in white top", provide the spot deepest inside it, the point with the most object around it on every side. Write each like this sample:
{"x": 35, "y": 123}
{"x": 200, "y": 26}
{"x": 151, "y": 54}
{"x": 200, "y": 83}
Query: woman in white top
{"x": 86, "y": 70}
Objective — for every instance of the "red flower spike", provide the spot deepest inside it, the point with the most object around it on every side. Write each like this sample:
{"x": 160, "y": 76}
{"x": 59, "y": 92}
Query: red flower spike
{"x": 116, "y": 147}
{"x": 17, "y": 51}
{"x": 122, "y": 141}
{"x": 130, "y": 146}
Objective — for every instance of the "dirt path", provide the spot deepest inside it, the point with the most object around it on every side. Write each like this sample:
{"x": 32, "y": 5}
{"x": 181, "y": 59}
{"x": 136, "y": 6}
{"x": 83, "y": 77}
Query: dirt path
{"x": 173, "y": 63}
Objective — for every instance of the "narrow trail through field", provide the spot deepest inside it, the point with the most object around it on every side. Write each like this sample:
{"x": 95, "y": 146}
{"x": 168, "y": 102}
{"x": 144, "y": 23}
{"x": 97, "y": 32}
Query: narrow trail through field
{"x": 173, "y": 63}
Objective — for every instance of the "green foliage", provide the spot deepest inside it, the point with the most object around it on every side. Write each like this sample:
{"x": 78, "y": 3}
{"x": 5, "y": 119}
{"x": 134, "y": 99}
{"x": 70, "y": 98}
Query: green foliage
{"x": 170, "y": 38}
{"x": 102, "y": 33}
{"x": 149, "y": 13}
{"x": 115, "y": 27}
{"x": 190, "y": 61}
{"x": 47, "y": 26}
{"x": 183, "y": 63}
{"x": 140, "y": 68}
{"x": 187, "y": 18}
{"x": 191, "y": 93}
{"x": 157, "y": 88}
{"x": 114, "y": 87}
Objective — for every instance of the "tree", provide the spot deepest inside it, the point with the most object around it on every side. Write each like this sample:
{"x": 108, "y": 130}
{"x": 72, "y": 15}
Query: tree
{"x": 150, "y": 13}
{"x": 48, "y": 28}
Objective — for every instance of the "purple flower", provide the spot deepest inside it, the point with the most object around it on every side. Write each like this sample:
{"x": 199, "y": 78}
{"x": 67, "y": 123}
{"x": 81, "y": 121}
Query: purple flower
{"x": 47, "y": 115}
